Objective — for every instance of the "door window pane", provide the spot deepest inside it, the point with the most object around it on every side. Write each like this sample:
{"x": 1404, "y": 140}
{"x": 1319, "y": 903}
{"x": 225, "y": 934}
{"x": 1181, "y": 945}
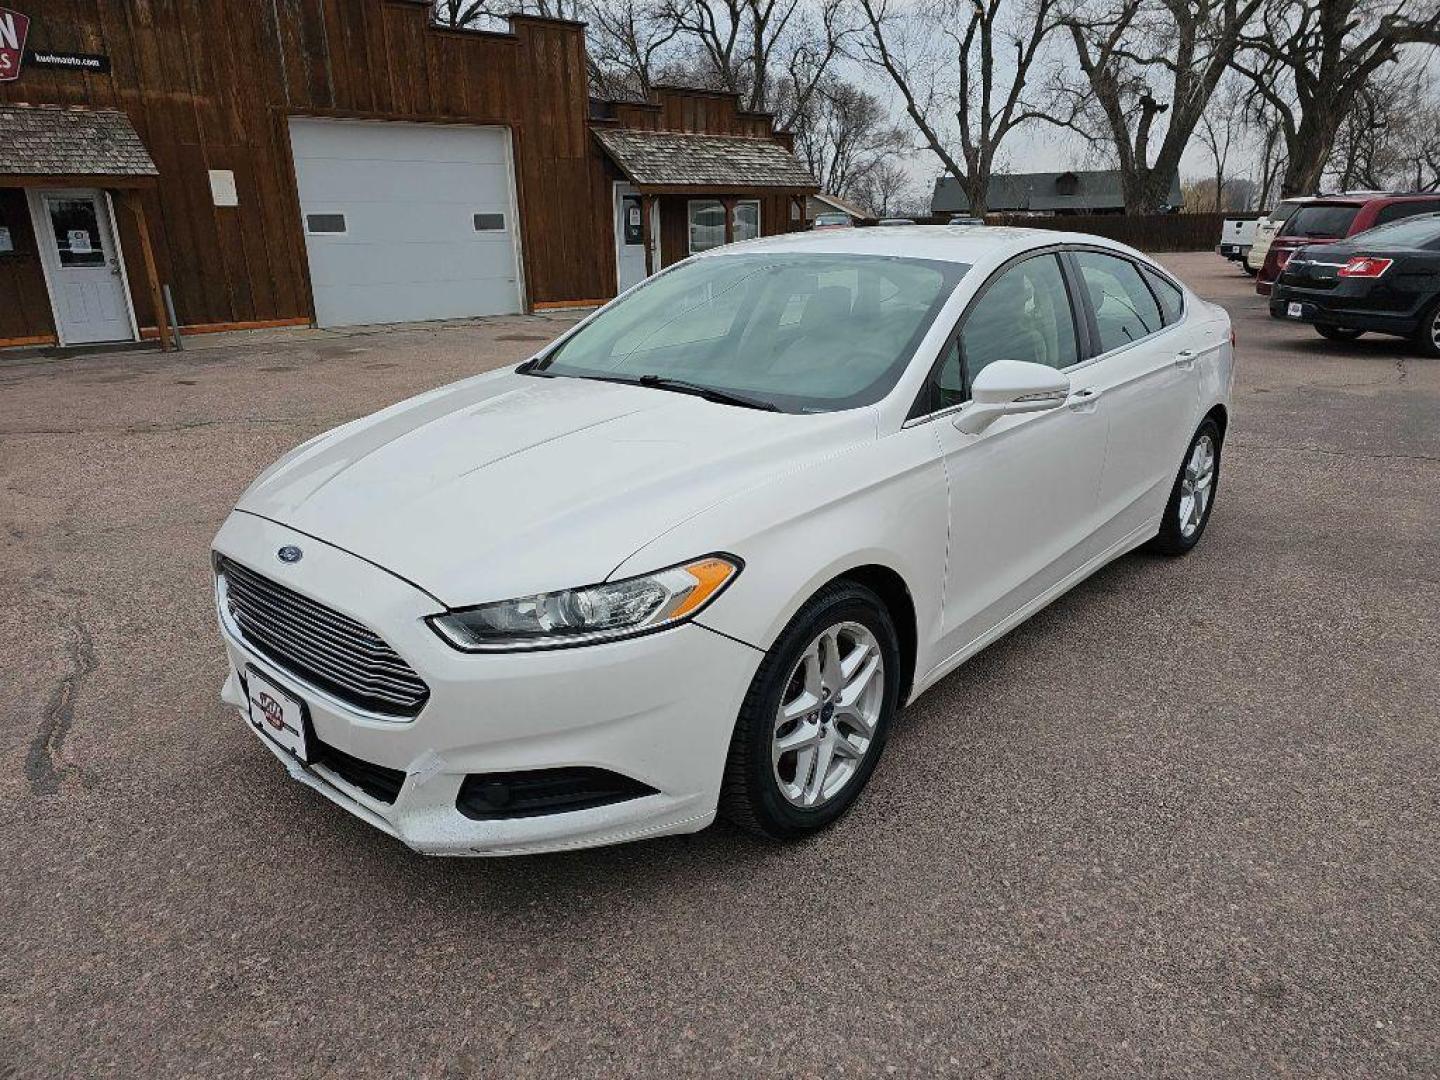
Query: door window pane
{"x": 77, "y": 232}
{"x": 1172, "y": 300}
{"x": 747, "y": 220}
{"x": 707, "y": 224}
{"x": 1124, "y": 309}
{"x": 1024, "y": 315}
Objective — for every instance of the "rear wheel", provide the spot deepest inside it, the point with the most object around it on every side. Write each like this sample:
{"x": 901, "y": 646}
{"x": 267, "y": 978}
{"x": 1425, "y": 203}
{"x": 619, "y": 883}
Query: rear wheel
{"x": 816, "y": 717}
{"x": 1338, "y": 333}
{"x": 1193, "y": 496}
{"x": 1427, "y": 334}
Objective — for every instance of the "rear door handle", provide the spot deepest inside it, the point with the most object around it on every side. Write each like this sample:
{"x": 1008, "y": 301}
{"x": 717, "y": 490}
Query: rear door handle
{"x": 1185, "y": 358}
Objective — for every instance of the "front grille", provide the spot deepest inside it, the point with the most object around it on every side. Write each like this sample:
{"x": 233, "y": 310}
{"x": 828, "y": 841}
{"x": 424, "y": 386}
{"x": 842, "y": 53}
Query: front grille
{"x": 319, "y": 645}
{"x": 379, "y": 782}
{"x": 485, "y": 796}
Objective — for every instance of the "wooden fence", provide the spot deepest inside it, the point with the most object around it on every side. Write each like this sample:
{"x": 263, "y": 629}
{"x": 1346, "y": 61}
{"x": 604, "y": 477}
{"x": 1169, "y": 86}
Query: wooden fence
{"x": 1148, "y": 232}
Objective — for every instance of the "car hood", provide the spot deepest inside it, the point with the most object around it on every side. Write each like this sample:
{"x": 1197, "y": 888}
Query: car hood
{"x": 506, "y": 485}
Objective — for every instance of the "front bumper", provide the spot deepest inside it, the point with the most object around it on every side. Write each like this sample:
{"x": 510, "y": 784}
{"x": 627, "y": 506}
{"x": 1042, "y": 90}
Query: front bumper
{"x": 658, "y": 709}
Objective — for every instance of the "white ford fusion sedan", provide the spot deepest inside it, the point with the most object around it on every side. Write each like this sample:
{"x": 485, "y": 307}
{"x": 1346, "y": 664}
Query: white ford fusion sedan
{"x": 693, "y": 557}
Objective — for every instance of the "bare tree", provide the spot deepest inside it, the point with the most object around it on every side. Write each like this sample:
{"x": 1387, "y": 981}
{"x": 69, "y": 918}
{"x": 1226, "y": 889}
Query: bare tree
{"x": 1151, "y": 67}
{"x": 473, "y": 14}
{"x": 967, "y": 59}
{"x": 1221, "y": 125}
{"x": 773, "y": 53}
{"x": 628, "y": 41}
{"x": 887, "y": 190}
{"x": 1312, "y": 59}
{"x": 844, "y": 133}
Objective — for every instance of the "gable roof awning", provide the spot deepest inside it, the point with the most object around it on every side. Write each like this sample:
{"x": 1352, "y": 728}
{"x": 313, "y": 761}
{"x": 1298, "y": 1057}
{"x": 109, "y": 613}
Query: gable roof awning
{"x": 684, "y": 161}
{"x": 46, "y": 144}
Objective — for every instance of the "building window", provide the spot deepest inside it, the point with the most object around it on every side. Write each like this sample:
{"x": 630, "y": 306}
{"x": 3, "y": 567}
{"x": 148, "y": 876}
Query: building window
{"x": 325, "y": 223}
{"x": 489, "y": 222}
{"x": 707, "y": 222}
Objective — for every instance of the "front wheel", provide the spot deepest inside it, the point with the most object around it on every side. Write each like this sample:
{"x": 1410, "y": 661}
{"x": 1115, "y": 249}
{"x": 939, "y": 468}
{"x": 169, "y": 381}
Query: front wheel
{"x": 1193, "y": 496}
{"x": 1338, "y": 333}
{"x": 816, "y": 717}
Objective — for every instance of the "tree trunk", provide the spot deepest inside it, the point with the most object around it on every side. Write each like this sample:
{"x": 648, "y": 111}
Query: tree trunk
{"x": 976, "y": 195}
{"x": 1146, "y": 191}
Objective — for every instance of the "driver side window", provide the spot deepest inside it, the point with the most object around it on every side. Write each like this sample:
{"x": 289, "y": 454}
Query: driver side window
{"x": 1025, "y": 314}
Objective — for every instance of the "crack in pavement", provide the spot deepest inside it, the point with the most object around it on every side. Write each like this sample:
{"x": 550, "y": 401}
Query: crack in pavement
{"x": 1336, "y": 453}
{"x": 41, "y": 765}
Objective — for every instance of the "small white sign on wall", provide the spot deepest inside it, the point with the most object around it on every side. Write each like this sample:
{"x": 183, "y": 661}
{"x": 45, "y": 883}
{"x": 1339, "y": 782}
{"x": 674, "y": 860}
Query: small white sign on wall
{"x": 79, "y": 242}
{"x": 6, "y": 244}
{"x": 222, "y": 187}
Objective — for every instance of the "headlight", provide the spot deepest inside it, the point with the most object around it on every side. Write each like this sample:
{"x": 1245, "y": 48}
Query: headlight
{"x": 613, "y": 609}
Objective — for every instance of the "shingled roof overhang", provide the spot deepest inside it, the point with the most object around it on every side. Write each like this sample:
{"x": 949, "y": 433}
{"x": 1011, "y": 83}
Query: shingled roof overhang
{"x": 677, "y": 161}
{"x": 57, "y": 145}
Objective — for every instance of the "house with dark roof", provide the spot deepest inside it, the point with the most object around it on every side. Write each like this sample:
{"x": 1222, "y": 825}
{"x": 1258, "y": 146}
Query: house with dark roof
{"x": 1070, "y": 192}
{"x": 329, "y": 180}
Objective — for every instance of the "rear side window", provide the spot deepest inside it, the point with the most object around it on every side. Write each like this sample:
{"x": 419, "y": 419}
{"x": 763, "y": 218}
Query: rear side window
{"x": 1125, "y": 311}
{"x": 1320, "y": 221}
{"x": 1398, "y": 210}
{"x": 1172, "y": 300}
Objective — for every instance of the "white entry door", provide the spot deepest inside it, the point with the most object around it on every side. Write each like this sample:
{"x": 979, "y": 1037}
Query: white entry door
{"x": 629, "y": 236}
{"x": 82, "y": 267}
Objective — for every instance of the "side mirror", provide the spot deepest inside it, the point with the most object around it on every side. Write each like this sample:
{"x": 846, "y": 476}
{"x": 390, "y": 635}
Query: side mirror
{"x": 1009, "y": 387}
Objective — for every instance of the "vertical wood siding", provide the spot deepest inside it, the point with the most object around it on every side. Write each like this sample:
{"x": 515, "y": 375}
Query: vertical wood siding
{"x": 209, "y": 84}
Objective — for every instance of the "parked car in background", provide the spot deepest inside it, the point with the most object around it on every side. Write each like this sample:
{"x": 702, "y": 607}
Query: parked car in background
{"x": 1237, "y": 235}
{"x": 1265, "y": 229}
{"x": 896, "y": 221}
{"x": 694, "y": 556}
{"x": 832, "y": 221}
{"x": 1384, "y": 280}
{"x": 1328, "y": 218}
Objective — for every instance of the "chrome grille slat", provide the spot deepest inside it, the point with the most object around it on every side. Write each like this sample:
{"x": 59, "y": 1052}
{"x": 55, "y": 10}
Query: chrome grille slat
{"x": 285, "y": 622}
{"x": 397, "y": 693}
{"x": 238, "y": 577}
{"x": 319, "y": 645}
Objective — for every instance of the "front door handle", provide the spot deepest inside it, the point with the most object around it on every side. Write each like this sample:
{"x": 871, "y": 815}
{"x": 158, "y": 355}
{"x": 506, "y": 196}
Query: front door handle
{"x": 1084, "y": 400}
{"x": 1185, "y": 359}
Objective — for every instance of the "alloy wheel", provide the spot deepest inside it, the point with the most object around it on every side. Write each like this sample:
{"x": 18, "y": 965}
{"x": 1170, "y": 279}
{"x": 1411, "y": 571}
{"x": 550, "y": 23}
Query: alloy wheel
{"x": 1196, "y": 486}
{"x": 826, "y": 721}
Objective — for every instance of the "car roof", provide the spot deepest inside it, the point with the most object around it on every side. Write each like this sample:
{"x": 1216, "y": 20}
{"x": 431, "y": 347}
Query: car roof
{"x": 967, "y": 244}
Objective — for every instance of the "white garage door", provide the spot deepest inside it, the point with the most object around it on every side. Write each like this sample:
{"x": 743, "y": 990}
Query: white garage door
{"x": 405, "y": 222}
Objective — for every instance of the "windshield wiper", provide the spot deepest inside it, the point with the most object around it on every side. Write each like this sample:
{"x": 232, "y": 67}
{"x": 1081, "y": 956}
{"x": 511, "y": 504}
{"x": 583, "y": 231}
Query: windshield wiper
{"x": 709, "y": 393}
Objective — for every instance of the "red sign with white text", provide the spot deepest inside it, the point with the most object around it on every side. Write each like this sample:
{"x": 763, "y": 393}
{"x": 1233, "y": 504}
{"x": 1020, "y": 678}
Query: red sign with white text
{"x": 13, "y": 28}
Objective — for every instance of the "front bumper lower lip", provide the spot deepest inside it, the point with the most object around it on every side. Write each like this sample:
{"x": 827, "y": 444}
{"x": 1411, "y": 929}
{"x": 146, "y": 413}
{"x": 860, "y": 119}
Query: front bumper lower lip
{"x": 659, "y": 709}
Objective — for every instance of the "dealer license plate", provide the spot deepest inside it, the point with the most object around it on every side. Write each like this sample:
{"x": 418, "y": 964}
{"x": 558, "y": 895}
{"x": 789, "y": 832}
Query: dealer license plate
{"x": 1294, "y": 309}
{"x": 278, "y": 715}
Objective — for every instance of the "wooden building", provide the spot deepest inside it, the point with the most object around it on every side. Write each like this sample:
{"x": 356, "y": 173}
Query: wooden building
{"x": 344, "y": 161}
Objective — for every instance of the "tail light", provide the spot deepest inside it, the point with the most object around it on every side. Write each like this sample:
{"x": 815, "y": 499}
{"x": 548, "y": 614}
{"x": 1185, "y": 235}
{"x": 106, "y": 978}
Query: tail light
{"x": 1363, "y": 266}
{"x": 1282, "y": 256}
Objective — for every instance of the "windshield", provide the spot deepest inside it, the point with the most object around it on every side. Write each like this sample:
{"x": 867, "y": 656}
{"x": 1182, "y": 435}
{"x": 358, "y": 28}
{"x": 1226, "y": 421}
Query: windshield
{"x": 1415, "y": 232}
{"x": 803, "y": 332}
{"x": 1320, "y": 221}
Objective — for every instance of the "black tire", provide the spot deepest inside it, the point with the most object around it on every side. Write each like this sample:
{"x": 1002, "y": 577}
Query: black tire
{"x": 1338, "y": 333}
{"x": 1172, "y": 539}
{"x": 750, "y": 795}
{"x": 1427, "y": 335}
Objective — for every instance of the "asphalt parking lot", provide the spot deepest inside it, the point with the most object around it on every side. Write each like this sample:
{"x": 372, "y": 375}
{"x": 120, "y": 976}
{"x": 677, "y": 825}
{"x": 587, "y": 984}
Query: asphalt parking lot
{"x": 1184, "y": 822}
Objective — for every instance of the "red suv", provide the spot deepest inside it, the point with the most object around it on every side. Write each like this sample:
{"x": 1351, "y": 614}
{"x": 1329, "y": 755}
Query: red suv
{"x": 1334, "y": 217}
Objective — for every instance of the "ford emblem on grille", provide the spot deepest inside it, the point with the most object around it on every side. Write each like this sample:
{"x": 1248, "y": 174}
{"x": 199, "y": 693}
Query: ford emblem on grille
{"x": 290, "y": 553}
